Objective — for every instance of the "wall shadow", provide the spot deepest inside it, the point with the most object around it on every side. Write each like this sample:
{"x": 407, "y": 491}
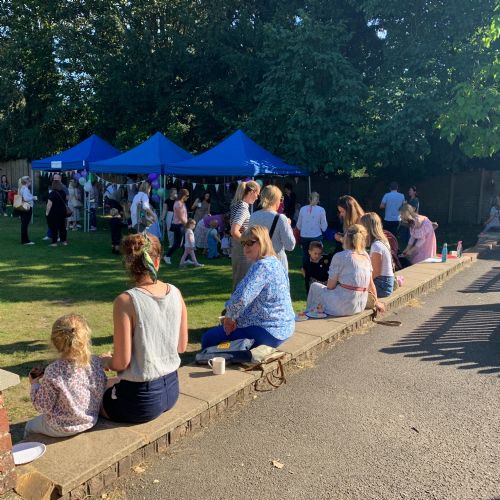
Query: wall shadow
{"x": 488, "y": 282}
{"x": 467, "y": 337}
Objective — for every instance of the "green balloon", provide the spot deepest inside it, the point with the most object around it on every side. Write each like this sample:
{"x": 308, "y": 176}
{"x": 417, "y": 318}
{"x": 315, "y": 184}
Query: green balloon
{"x": 81, "y": 180}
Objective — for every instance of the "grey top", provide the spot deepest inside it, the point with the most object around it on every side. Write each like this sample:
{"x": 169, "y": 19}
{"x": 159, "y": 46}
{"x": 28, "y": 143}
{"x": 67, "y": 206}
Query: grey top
{"x": 156, "y": 335}
{"x": 283, "y": 238}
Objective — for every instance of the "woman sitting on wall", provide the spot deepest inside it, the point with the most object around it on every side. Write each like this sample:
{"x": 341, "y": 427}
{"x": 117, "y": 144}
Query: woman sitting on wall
{"x": 260, "y": 308}
{"x": 349, "y": 279}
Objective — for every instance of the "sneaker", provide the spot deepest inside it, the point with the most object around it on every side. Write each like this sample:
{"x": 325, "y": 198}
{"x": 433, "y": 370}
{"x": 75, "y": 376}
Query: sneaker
{"x": 198, "y": 264}
{"x": 93, "y": 228}
{"x": 29, "y": 243}
{"x": 46, "y": 238}
{"x": 167, "y": 260}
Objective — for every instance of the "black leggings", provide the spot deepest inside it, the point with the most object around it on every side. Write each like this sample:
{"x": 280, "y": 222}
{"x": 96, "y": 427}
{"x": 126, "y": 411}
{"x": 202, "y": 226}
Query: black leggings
{"x": 25, "y": 222}
{"x": 57, "y": 226}
{"x": 177, "y": 230}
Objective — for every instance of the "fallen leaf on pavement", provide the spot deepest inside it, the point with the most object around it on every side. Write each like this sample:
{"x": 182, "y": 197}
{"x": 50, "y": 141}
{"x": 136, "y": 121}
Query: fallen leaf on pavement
{"x": 139, "y": 469}
{"x": 277, "y": 464}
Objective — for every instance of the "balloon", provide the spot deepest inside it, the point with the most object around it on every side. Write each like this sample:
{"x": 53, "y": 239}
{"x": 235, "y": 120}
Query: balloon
{"x": 155, "y": 198}
{"x": 87, "y": 187}
{"x": 154, "y": 191}
{"x": 155, "y": 184}
{"x": 81, "y": 180}
{"x": 92, "y": 177}
{"x": 76, "y": 176}
{"x": 259, "y": 182}
{"x": 152, "y": 177}
{"x": 84, "y": 173}
{"x": 160, "y": 191}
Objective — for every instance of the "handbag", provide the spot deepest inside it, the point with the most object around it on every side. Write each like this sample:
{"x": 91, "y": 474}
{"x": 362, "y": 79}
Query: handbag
{"x": 19, "y": 204}
{"x": 233, "y": 351}
{"x": 69, "y": 212}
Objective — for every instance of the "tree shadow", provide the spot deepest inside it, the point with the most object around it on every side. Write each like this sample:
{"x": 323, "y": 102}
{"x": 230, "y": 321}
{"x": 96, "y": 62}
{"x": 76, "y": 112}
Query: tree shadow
{"x": 488, "y": 282}
{"x": 467, "y": 337}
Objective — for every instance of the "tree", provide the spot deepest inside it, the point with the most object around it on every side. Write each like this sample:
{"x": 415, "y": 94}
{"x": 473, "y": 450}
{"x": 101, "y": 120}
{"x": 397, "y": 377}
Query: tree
{"x": 472, "y": 117}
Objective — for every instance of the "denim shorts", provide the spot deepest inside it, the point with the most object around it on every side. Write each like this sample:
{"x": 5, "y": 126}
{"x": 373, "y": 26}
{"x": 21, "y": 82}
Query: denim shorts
{"x": 137, "y": 402}
{"x": 384, "y": 285}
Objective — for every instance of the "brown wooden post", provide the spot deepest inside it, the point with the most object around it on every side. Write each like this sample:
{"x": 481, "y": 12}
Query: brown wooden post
{"x": 452, "y": 196}
{"x": 481, "y": 196}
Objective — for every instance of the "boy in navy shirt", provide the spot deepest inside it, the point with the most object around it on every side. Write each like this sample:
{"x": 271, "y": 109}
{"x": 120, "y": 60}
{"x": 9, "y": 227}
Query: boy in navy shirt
{"x": 316, "y": 268}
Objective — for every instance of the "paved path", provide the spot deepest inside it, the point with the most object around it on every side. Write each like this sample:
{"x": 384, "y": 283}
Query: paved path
{"x": 399, "y": 413}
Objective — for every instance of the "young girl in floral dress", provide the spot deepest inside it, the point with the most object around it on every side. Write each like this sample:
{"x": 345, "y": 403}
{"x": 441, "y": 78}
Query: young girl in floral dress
{"x": 68, "y": 393}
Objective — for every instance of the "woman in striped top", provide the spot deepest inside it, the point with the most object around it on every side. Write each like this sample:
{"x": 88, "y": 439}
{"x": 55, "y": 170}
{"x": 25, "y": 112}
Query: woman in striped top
{"x": 246, "y": 195}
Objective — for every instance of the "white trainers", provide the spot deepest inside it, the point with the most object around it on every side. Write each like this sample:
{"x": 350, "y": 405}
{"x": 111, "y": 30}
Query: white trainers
{"x": 29, "y": 243}
{"x": 167, "y": 260}
{"x": 46, "y": 238}
{"x": 198, "y": 264}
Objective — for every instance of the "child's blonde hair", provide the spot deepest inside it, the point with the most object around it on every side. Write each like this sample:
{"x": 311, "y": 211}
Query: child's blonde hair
{"x": 190, "y": 222}
{"x": 71, "y": 337}
{"x": 214, "y": 223}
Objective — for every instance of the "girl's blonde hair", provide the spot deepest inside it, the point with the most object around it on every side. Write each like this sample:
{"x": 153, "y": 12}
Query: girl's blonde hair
{"x": 243, "y": 189}
{"x": 145, "y": 187}
{"x": 261, "y": 235}
{"x": 355, "y": 238}
{"x": 71, "y": 337}
{"x": 189, "y": 223}
{"x": 314, "y": 198}
{"x": 407, "y": 212}
{"x": 373, "y": 225}
{"x": 353, "y": 210}
{"x": 269, "y": 196}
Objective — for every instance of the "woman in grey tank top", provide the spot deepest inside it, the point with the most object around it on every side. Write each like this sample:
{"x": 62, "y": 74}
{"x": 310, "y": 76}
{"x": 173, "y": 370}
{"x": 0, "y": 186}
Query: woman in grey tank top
{"x": 150, "y": 330}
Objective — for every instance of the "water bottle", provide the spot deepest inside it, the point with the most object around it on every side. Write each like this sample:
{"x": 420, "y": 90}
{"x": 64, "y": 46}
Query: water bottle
{"x": 444, "y": 253}
{"x": 459, "y": 249}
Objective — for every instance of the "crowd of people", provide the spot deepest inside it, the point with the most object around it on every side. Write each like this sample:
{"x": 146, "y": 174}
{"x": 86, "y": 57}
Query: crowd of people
{"x": 150, "y": 318}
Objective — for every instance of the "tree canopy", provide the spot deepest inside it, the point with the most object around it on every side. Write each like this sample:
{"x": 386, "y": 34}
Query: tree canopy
{"x": 335, "y": 85}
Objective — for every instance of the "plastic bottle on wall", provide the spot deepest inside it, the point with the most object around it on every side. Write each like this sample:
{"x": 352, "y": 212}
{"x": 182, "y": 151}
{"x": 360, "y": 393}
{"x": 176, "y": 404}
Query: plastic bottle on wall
{"x": 444, "y": 253}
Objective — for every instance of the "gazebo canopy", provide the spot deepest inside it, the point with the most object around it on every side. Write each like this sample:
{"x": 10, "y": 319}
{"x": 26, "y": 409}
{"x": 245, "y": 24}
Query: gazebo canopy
{"x": 151, "y": 156}
{"x": 91, "y": 149}
{"x": 237, "y": 155}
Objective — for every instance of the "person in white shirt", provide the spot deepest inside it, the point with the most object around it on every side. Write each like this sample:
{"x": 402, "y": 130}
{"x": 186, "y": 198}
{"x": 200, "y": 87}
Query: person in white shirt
{"x": 380, "y": 254}
{"x": 391, "y": 203}
{"x": 141, "y": 201}
{"x": 311, "y": 224}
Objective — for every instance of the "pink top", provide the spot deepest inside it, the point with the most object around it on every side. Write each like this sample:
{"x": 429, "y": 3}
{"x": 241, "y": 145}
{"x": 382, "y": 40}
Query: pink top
{"x": 422, "y": 234}
{"x": 69, "y": 396}
{"x": 180, "y": 206}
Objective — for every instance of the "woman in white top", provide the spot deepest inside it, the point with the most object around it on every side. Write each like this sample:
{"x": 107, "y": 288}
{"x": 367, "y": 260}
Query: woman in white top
{"x": 282, "y": 235}
{"x": 141, "y": 202}
{"x": 25, "y": 215}
{"x": 150, "y": 330}
{"x": 311, "y": 224}
{"x": 493, "y": 221}
{"x": 74, "y": 204}
{"x": 380, "y": 254}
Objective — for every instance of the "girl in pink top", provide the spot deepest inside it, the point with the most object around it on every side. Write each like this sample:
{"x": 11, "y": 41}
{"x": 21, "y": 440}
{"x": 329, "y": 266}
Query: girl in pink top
{"x": 179, "y": 220}
{"x": 68, "y": 393}
{"x": 422, "y": 243}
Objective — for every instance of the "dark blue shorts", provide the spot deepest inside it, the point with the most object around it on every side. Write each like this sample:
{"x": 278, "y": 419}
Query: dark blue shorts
{"x": 137, "y": 402}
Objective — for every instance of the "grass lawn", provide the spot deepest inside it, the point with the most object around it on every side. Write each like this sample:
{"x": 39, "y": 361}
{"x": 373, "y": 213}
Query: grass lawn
{"x": 41, "y": 283}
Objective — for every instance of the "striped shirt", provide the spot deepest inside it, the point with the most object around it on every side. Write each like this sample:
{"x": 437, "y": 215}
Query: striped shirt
{"x": 240, "y": 214}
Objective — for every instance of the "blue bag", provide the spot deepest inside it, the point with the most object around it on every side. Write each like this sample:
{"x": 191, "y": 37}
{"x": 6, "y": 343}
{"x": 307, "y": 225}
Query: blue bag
{"x": 233, "y": 351}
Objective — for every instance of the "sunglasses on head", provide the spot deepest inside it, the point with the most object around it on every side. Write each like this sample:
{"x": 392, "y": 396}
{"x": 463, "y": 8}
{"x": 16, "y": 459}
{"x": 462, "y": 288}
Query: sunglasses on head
{"x": 248, "y": 243}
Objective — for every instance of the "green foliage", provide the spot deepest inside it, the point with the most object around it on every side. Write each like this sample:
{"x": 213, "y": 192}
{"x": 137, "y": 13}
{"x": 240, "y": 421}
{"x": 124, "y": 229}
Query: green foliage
{"x": 472, "y": 117}
{"x": 336, "y": 85}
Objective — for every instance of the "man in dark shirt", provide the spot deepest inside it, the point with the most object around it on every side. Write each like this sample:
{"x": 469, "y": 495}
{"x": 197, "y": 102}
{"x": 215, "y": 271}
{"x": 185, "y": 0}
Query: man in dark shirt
{"x": 316, "y": 268}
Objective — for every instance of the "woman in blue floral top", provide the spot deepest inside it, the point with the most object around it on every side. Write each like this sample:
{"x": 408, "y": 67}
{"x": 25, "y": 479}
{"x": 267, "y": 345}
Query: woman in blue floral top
{"x": 260, "y": 308}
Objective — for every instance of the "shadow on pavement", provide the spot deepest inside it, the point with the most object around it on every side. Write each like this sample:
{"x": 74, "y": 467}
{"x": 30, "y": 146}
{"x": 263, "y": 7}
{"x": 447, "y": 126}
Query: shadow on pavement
{"x": 488, "y": 282}
{"x": 465, "y": 336}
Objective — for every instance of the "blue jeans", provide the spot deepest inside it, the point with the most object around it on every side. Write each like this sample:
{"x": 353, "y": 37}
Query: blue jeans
{"x": 216, "y": 335}
{"x": 384, "y": 285}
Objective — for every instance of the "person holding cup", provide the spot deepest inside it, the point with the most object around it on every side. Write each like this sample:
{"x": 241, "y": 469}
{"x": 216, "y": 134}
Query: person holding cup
{"x": 260, "y": 308}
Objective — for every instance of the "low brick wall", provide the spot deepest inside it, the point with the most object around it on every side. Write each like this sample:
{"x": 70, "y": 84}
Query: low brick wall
{"x": 7, "y": 468}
